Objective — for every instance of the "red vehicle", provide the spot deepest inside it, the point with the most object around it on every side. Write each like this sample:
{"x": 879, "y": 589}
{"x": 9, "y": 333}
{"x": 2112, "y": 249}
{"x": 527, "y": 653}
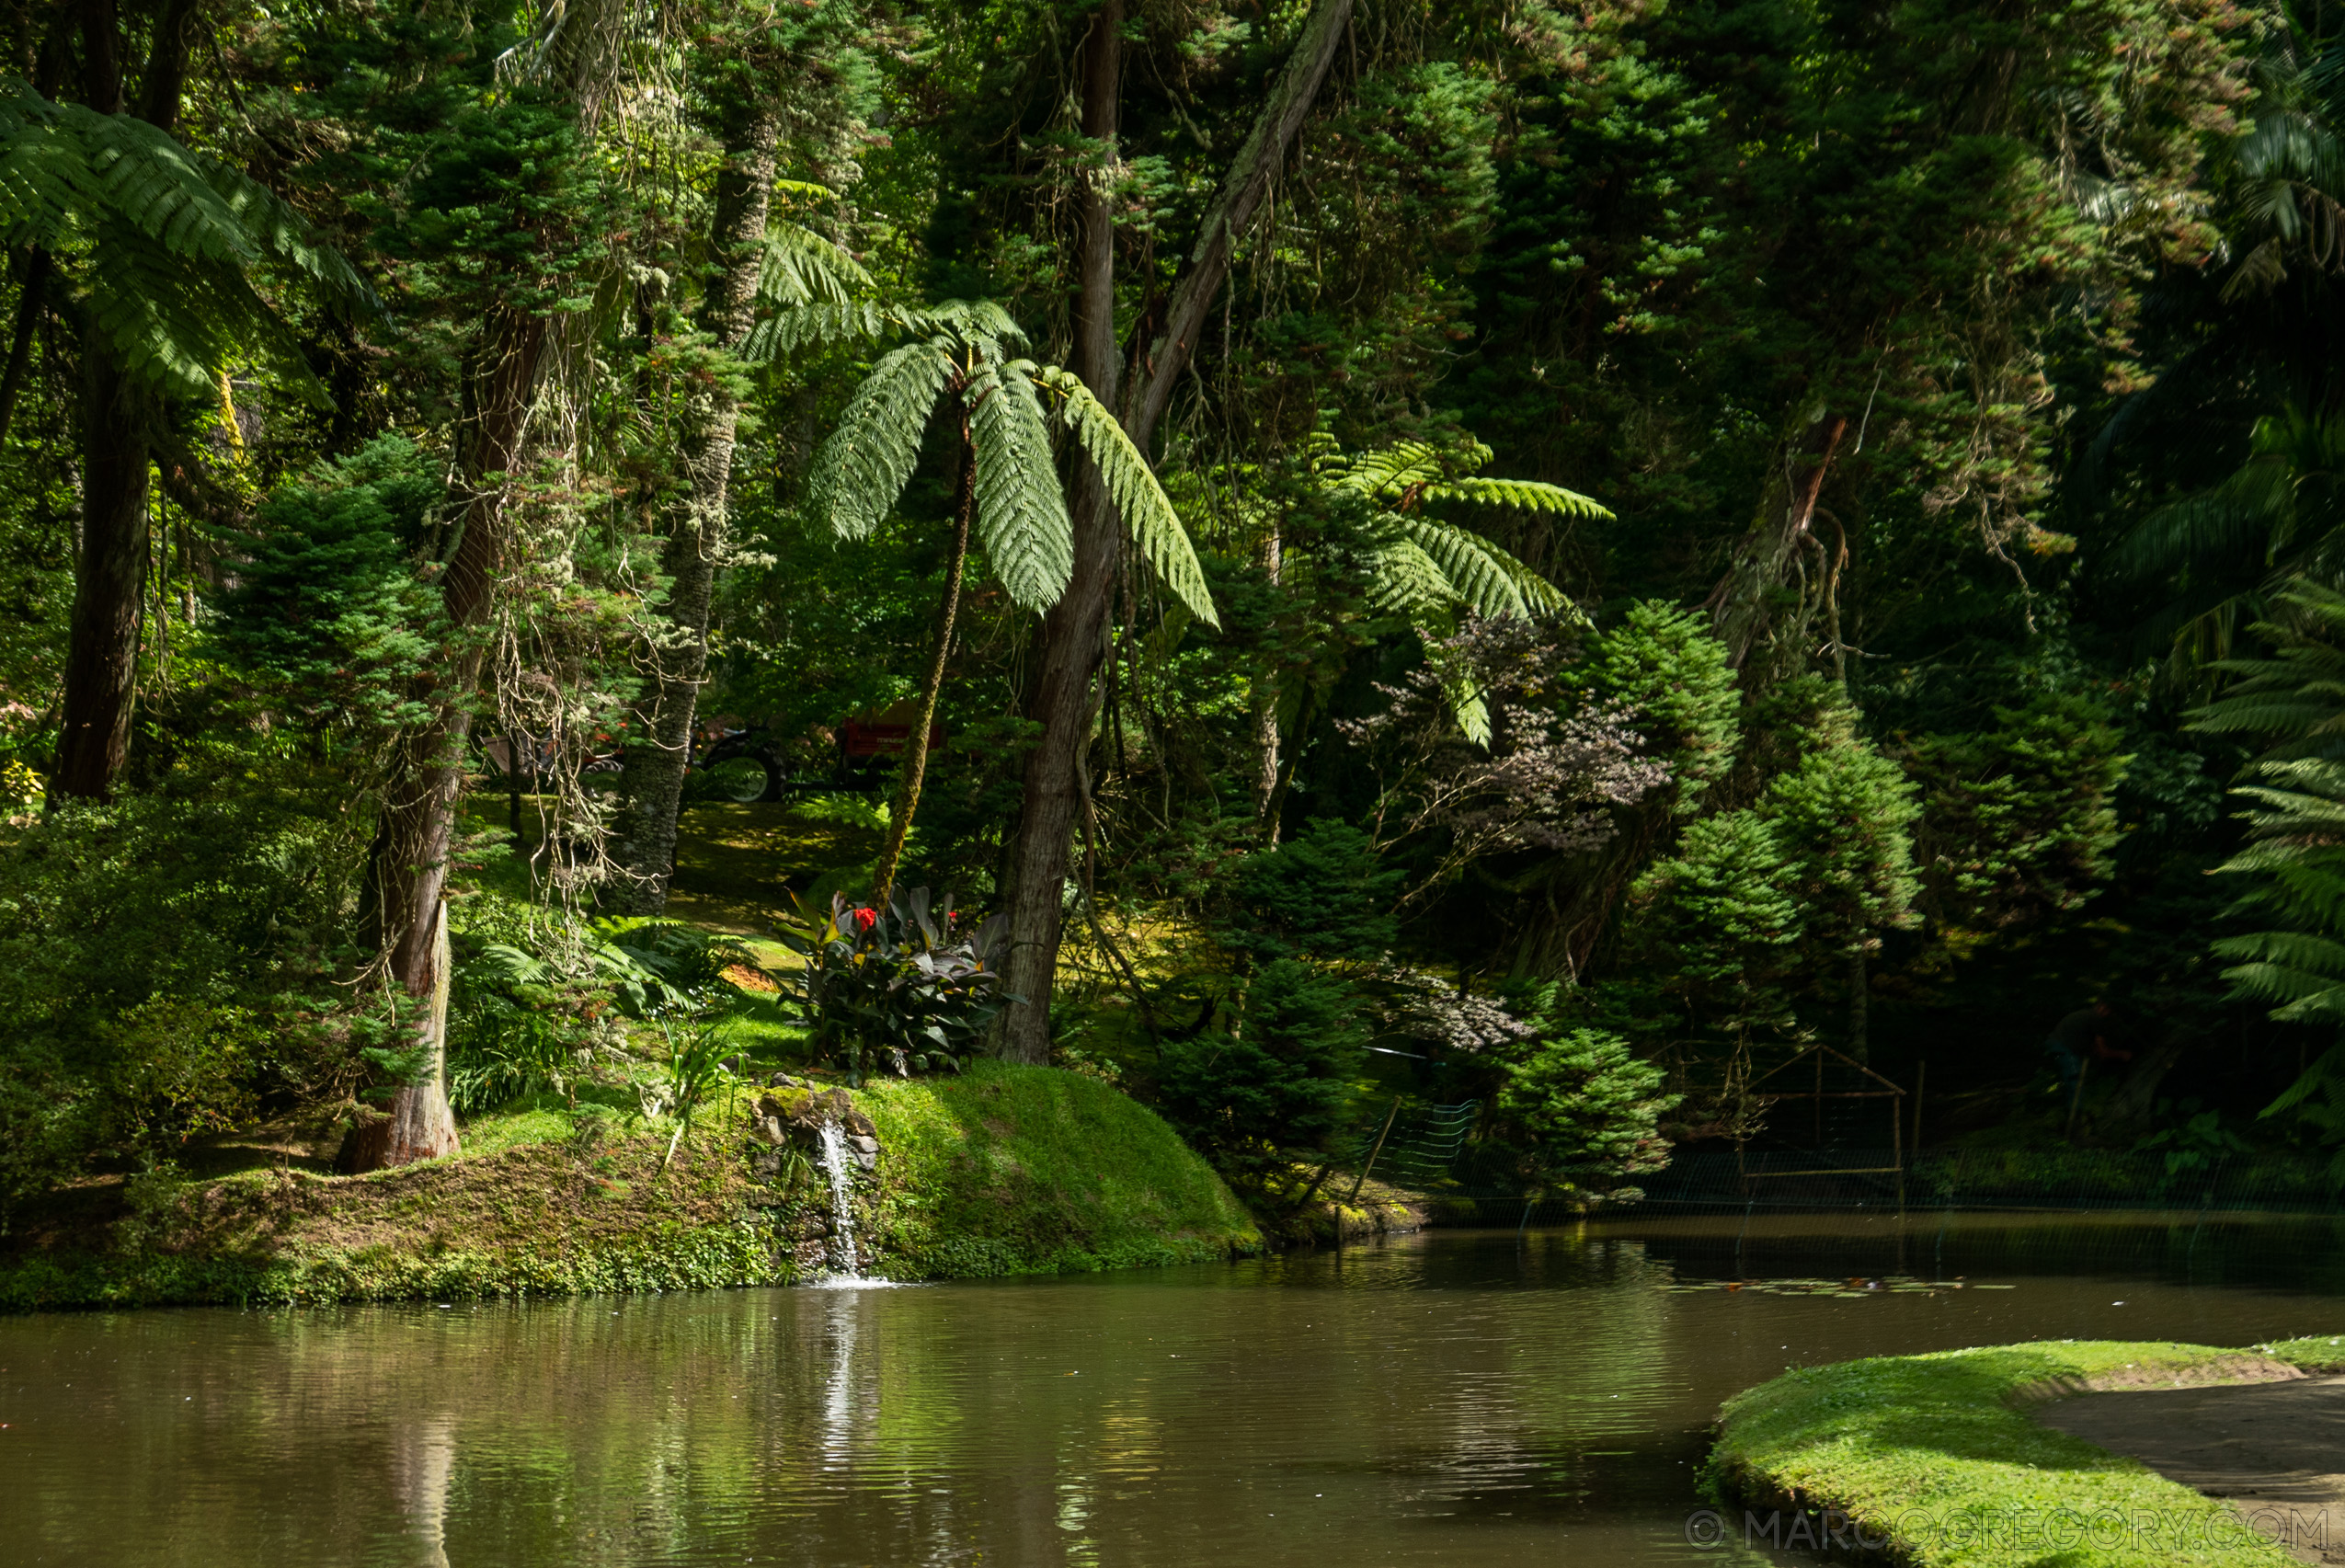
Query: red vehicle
{"x": 870, "y": 737}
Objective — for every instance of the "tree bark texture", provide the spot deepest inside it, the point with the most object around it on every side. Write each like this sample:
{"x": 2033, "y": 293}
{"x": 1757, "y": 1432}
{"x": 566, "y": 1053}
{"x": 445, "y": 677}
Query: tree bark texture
{"x": 1266, "y": 700}
{"x": 700, "y": 530}
{"x": 109, "y": 581}
{"x": 116, "y": 417}
{"x": 420, "y": 1125}
{"x": 915, "y": 764}
{"x": 407, "y": 873}
{"x": 1074, "y": 638}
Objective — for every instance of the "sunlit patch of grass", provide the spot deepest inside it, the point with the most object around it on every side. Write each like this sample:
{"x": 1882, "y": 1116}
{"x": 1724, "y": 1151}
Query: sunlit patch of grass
{"x": 1934, "y": 1460}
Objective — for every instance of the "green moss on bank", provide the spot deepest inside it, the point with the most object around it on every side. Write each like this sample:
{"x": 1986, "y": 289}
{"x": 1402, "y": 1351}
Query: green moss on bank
{"x": 1033, "y": 1171}
{"x": 1934, "y": 1459}
{"x": 1005, "y": 1171}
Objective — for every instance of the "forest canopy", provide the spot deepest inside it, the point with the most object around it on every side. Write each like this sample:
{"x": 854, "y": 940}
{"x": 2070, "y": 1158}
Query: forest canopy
{"x": 1567, "y": 553}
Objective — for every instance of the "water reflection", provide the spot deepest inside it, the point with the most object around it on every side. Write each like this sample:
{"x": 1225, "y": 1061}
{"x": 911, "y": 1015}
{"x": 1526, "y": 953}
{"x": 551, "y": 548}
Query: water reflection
{"x": 1482, "y": 1399}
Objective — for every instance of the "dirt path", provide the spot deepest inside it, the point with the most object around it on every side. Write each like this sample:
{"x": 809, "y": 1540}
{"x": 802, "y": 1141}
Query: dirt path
{"x": 2275, "y": 1450}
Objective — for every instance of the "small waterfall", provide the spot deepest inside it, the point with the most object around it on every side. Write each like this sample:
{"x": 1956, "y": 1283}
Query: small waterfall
{"x": 837, "y": 1164}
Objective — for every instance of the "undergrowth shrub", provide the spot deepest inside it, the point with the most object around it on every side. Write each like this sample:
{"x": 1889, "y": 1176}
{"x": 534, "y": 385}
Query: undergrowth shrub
{"x": 165, "y": 962}
{"x": 1282, "y": 1087}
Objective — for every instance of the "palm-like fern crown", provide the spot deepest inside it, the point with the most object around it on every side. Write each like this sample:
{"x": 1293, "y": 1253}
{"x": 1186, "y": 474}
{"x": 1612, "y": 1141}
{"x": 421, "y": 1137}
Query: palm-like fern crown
{"x": 1428, "y": 569}
{"x": 1427, "y": 566}
{"x": 964, "y": 350}
{"x": 800, "y": 267}
{"x": 161, "y": 241}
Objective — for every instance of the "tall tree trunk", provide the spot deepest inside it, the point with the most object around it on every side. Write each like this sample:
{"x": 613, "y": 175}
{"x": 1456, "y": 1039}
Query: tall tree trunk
{"x": 407, "y": 873}
{"x": 653, "y": 780}
{"x": 102, "y": 657}
{"x": 117, "y": 415}
{"x": 1074, "y": 634}
{"x": 915, "y": 764}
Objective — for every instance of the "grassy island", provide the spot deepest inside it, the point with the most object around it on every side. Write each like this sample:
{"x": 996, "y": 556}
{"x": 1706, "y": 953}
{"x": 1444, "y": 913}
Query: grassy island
{"x": 1934, "y": 1459}
{"x": 1002, "y": 1170}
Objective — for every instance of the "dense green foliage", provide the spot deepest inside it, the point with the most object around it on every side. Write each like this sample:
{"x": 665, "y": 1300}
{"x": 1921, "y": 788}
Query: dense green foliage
{"x": 1683, "y": 534}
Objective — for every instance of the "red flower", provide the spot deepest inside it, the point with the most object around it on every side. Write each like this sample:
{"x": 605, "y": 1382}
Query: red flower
{"x": 865, "y": 920}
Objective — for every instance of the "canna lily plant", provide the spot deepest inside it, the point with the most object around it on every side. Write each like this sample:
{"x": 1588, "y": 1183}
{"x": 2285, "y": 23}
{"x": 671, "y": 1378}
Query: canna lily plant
{"x": 912, "y": 979}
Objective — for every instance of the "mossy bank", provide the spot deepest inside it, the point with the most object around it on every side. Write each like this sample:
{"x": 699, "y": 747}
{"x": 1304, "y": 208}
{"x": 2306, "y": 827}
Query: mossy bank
{"x": 1002, "y": 1171}
{"x": 1935, "y": 1460}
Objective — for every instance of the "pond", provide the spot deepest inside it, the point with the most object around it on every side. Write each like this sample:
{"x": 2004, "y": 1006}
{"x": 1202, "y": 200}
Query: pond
{"x": 1459, "y": 1397}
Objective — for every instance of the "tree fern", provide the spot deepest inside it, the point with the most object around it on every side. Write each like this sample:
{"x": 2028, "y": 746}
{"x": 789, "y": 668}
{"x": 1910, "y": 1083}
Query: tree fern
{"x": 867, "y": 460}
{"x": 165, "y": 240}
{"x": 787, "y": 332}
{"x": 1021, "y": 511}
{"x": 1140, "y": 500}
{"x": 2293, "y": 864}
{"x": 1385, "y": 474}
{"x": 2297, "y": 695}
{"x": 2278, "y": 517}
{"x": 1484, "y": 578}
{"x": 1407, "y": 581}
{"x": 1475, "y": 573}
{"x": 1425, "y": 568}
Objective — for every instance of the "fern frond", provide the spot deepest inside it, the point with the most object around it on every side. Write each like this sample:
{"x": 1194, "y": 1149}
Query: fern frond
{"x": 2231, "y": 525}
{"x": 983, "y": 325}
{"x": 1523, "y": 495}
{"x": 803, "y": 327}
{"x": 801, "y": 268}
{"x": 1382, "y": 475}
{"x": 172, "y": 238}
{"x": 1486, "y": 579}
{"x": 1408, "y": 581}
{"x": 1147, "y": 512}
{"x": 1021, "y": 512}
{"x": 864, "y": 466}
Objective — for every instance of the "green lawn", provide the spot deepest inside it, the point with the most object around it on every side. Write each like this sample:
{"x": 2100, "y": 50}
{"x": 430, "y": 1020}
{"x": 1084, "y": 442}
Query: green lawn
{"x": 1934, "y": 1459}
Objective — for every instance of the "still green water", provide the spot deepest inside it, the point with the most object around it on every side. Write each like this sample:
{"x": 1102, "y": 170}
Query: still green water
{"x": 1469, "y": 1398}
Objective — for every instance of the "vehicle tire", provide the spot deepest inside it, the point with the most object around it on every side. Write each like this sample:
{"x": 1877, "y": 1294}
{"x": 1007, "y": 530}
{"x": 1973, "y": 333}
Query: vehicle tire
{"x": 742, "y": 780}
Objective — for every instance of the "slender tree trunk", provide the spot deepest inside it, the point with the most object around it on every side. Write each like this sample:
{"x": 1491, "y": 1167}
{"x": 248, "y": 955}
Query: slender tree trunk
{"x": 1074, "y": 634}
{"x": 653, "y": 780}
{"x": 407, "y": 876}
{"x": 420, "y": 1125}
{"x": 28, "y": 307}
{"x": 915, "y": 764}
{"x": 1266, "y": 707}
